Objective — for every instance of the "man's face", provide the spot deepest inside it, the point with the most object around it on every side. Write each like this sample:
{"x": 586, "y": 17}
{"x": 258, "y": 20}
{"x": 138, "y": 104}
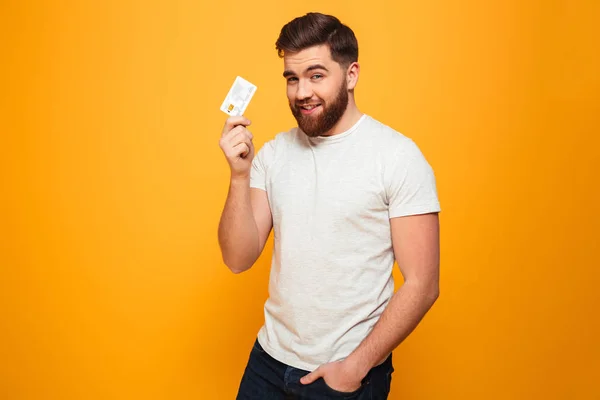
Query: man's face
{"x": 316, "y": 88}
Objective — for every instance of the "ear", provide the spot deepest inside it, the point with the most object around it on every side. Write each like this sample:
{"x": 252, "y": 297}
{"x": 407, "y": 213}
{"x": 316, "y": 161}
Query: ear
{"x": 352, "y": 75}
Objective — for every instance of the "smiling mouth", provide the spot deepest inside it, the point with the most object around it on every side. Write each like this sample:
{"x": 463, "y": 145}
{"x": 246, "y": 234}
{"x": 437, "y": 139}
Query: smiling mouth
{"x": 309, "y": 108}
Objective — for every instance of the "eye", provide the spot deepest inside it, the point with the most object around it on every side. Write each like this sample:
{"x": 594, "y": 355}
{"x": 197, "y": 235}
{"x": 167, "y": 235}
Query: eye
{"x": 292, "y": 79}
{"x": 317, "y": 76}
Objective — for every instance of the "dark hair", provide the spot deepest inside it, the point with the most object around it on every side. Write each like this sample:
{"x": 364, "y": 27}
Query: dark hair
{"x": 316, "y": 29}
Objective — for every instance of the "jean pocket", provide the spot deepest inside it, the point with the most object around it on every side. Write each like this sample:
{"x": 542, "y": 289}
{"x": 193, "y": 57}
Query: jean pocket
{"x": 344, "y": 395}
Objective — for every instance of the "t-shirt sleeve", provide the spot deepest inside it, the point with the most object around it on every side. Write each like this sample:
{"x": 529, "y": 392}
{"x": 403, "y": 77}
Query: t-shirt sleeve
{"x": 260, "y": 166}
{"x": 411, "y": 184}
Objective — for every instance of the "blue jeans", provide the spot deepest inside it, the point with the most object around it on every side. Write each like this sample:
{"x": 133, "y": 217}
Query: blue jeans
{"x": 265, "y": 378}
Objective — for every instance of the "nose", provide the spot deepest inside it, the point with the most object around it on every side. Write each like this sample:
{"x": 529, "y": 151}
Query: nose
{"x": 304, "y": 91}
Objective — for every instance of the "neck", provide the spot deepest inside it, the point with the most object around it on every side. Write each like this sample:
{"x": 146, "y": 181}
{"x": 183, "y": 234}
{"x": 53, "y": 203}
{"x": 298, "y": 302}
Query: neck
{"x": 350, "y": 117}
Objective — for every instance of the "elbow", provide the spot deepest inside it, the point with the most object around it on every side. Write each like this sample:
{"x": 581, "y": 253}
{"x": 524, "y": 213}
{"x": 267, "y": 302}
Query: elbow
{"x": 235, "y": 266}
{"x": 433, "y": 293}
{"x": 237, "y": 269}
{"x": 435, "y": 296}
{"x": 427, "y": 291}
{"x": 233, "y": 261}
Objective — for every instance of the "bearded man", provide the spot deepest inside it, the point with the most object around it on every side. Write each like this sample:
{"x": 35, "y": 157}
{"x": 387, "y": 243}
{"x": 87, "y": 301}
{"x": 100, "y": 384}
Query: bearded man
{"x": 346, "y": 196}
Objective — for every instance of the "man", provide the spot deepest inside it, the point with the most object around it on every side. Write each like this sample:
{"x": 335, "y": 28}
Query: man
{"x": 345, "y": 196}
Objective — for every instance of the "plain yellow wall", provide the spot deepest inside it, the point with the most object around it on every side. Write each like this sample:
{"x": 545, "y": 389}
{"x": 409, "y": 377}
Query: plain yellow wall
{"x": 111, "y": 281}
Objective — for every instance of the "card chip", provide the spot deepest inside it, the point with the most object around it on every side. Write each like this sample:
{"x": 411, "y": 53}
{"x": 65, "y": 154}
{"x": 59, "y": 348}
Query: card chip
{"x": 230, "y": 107}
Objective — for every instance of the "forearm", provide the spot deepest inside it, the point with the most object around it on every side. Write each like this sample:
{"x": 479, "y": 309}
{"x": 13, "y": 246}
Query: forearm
{"x": 406, "y": 309}
{"x": 238, "y": 233}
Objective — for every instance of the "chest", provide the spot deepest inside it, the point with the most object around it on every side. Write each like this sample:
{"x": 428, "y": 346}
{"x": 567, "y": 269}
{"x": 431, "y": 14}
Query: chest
{"x": 326, "y": 188}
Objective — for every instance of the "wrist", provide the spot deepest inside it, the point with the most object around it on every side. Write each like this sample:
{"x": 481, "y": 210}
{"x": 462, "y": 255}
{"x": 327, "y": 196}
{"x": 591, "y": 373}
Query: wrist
{"x": 359, "y": 365}
{"x": 238, "y": 178}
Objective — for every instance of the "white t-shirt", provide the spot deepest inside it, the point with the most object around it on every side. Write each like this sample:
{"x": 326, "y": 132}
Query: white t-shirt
{"x": 332, "y": 199}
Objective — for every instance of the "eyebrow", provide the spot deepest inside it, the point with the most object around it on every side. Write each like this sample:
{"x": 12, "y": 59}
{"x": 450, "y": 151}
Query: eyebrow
{"x": 311, "y": 68}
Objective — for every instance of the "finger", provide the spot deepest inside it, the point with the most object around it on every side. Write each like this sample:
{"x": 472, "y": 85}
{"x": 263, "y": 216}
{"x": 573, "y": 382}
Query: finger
{"x": 311, "y": 377}
{"x": 241, "y": 149}
{"x": 231, "y": 122}
{"x": 250, "y": 146}
{"x": 236, "y": 132}
{"x": 243, "y": 132}
{"x": 241, "y": 137}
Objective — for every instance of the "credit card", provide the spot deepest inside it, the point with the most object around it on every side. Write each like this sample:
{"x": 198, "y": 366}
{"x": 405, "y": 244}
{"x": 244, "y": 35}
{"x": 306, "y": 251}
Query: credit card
{"x": 239, "y": 97}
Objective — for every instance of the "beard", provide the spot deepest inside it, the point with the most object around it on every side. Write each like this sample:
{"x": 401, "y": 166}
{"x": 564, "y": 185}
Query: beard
{"x": 327, "y": 117}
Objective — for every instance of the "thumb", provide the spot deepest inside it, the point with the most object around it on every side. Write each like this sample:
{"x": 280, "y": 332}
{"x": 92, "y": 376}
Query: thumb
{"x": 311, "y": 377}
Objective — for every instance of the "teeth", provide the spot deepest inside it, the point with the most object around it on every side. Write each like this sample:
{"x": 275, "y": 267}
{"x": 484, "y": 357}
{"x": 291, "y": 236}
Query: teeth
{"x": 309, "y": 107}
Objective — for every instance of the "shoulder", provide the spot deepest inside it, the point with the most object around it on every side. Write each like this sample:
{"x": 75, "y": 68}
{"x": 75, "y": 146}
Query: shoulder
{"x": 279, "y": 144}
{"x": 389, "y": 141}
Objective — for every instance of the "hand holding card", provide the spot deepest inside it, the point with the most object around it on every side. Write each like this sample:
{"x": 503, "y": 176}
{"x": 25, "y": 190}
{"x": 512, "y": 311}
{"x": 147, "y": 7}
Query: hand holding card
{"x": 236, "y": 139}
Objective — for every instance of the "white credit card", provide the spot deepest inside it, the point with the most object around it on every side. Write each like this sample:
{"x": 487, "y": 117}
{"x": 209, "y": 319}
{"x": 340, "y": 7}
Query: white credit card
{"x": 239, "y": 97}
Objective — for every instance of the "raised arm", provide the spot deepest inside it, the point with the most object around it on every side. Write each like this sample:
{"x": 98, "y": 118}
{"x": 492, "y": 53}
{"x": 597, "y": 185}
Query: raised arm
{"x": 246, "y": 218}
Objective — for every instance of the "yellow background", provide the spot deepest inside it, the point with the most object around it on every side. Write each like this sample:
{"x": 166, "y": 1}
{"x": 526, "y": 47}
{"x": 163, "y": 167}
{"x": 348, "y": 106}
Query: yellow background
{"x": 111, "y": 282}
